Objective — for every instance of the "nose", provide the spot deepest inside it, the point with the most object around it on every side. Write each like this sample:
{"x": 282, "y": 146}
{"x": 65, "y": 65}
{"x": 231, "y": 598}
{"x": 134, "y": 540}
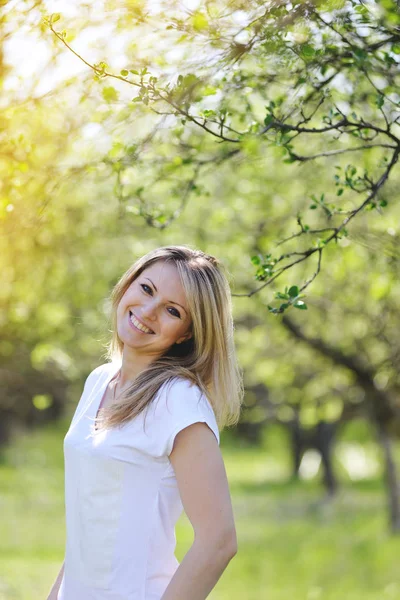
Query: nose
{"x": 149, "y": 309}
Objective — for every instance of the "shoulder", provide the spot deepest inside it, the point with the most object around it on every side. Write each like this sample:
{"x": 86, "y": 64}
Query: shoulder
{"x": 177, "y": 404}
{"x": 181, "y": 385}
{"x": 180, "y": 398}
{"x": 183, "y": 392}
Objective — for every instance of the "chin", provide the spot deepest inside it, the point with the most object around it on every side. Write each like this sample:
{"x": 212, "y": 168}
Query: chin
{"x": 128, "y": 337}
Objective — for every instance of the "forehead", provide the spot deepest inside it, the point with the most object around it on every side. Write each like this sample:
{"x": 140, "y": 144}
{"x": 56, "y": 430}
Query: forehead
{"x": 166, "y": 278}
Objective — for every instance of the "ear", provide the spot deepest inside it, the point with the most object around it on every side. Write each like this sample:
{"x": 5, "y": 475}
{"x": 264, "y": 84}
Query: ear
{"x": 184, "y": 338}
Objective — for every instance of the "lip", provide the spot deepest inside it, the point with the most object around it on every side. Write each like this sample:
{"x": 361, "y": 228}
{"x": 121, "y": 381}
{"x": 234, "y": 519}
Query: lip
{"x": 135, "y": 328}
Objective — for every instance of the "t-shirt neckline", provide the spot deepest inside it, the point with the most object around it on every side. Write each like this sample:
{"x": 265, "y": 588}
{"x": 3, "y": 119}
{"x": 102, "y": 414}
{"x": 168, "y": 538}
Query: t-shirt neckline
{"x": 102, "y": 393}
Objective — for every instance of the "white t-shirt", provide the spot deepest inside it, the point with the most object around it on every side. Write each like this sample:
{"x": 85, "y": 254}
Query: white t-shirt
{"x": 121, "y": 494}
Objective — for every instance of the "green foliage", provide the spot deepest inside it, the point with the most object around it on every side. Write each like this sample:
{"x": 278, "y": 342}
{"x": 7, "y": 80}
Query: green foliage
{"x": 265, "y": 266}
{"x": 311, "y": 53}
{"x": 208, "y": 154}
{"x": 292, "y": 298}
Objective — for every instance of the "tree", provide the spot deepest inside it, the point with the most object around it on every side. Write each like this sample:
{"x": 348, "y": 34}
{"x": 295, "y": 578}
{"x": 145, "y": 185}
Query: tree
{"x": 114, "y": 163}
{"x": 289, "y": 76}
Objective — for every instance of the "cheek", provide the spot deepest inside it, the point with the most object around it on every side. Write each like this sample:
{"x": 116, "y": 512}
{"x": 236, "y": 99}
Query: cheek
{"x": 128, "y": 298}
{"x": 181, "y": 329}
{"x": 122, "y": 306}
{"x": 122, "y": 303}
{"x": 174, "y": 328}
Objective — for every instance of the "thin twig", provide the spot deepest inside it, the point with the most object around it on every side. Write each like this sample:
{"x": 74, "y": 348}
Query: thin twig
{"x": 343, "y": 151}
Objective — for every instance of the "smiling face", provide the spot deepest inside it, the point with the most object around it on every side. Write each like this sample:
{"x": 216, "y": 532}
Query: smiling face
{"x": 153, "y": 313}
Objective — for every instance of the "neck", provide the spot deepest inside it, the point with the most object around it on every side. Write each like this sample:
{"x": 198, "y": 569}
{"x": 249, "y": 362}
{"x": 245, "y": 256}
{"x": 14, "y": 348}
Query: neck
{"x": 132, "y": 365}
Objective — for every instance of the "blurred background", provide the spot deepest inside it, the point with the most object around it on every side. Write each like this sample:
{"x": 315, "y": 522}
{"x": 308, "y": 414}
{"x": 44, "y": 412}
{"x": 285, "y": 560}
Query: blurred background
{"x": 265, "y": 133}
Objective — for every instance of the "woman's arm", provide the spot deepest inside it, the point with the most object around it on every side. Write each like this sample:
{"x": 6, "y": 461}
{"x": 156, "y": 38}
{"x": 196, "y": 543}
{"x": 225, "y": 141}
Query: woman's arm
{"x": 203, "y": 486}
{"x": 56, "y": 586}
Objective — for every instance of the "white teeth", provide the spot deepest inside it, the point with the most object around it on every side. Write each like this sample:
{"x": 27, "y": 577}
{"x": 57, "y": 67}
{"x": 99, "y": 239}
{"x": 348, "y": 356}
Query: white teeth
{"x": 139, "y": 325}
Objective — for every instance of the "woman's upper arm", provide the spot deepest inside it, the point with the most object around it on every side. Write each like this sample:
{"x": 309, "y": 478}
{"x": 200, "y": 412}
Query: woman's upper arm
{"x": 203, "y": 485}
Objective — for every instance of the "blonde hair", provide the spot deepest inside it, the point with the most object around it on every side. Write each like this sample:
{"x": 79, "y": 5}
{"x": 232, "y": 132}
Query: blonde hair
{"x": 207, "y": 359}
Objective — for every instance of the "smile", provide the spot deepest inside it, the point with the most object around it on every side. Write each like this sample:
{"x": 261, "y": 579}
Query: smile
{"x": 138, "y": 325}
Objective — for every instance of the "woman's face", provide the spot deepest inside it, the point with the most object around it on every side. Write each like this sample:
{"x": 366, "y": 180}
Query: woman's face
{"x": 153, "y": 314}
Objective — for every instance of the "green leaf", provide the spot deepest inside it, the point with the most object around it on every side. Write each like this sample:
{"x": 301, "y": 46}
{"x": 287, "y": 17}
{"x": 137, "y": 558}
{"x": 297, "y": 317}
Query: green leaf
{"x": 131, "y": 149}
{"x": 124, "y": 72}
{"x": 55, "y": 17}
{"x": 383, "y": 203}
{"x": 300, "y": 305}
{"x": 255, "y": 260}
{"x": 307, "y": 51}
{"x": 199, "y": 21}
{"x": 339, "y": 192}
{"x": 293, "y": 291}
{"x": 352, "y": 170}
{"x": 360, "y": 53}
{"x": 109, "y": 94}
{"x": 209, "y": 90}
{"x": 268, "y": 119}
{"x": 300, "y": 80}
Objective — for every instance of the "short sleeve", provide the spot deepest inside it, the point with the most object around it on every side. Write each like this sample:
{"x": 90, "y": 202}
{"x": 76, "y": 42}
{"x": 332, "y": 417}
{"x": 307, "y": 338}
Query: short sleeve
{"x": 179, "y": 404}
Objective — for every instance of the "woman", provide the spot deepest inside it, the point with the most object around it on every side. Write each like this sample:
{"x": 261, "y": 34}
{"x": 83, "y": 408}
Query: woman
{"x": 144, "y": 440}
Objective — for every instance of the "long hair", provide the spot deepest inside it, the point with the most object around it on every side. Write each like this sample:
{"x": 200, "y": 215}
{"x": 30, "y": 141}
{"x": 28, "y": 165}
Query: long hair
{"x": 207, "y": 359}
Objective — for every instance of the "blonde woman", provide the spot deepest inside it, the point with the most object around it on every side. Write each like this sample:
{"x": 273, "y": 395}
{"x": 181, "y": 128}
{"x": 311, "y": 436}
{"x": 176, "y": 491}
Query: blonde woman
{"x": 144, "y": 441}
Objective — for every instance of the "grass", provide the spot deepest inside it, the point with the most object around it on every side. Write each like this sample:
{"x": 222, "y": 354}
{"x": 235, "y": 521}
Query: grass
{"x": 293, "y": 544}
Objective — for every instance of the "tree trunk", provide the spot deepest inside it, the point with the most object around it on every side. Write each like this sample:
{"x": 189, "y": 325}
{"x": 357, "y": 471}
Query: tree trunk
{"x": 392, "y": 482}
{"x": 320, "y": 438}
{"x": 381, "y": 410}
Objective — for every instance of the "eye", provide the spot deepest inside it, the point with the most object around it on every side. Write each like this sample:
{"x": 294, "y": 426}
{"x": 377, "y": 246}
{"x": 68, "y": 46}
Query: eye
{"x": 146, "y": 288}
{"x": 174, "y": 312}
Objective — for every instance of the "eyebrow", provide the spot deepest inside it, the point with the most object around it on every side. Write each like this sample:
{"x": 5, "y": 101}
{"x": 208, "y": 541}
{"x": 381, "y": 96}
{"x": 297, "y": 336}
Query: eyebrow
{"x": 170, "y": 301}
